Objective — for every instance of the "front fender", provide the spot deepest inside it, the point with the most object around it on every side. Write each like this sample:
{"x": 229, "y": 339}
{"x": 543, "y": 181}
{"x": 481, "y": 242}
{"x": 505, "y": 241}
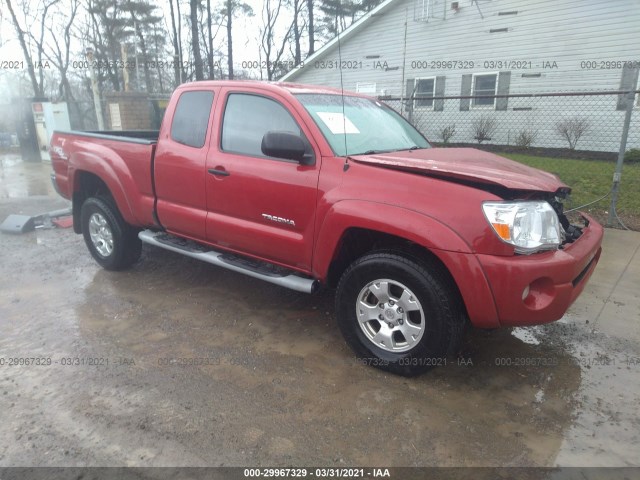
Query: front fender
{"x": 442, "y": 241}
{"x": 401, "y": 222}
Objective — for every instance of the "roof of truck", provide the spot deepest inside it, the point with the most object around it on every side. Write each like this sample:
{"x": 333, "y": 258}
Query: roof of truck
{"x": 271, "y": 86}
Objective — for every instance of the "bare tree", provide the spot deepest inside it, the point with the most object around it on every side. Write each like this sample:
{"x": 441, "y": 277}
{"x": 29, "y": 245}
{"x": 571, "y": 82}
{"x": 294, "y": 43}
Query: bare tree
{"x": 311, "y": 28}
{"x": 272, "y": 51}
{"x": 177, "y": 47}
{"x": 210, "y": 24}
{"x": 230, "y": 38}
{"x": 37, "y": 86}
{"x": 195, "y": 39}
{"x": 297, "y": 6}
{"x": 210, "y": 42}
{"x": 58, "y": 52}
{"x": 572, "y": 129}
{"x": 230, "y": 10}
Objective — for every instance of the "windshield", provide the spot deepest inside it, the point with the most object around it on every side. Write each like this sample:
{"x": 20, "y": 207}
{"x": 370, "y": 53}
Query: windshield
{"x": 367, "y": 126}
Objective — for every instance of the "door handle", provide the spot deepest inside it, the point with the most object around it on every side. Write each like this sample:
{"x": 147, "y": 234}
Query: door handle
{"x": 219, "y": 171}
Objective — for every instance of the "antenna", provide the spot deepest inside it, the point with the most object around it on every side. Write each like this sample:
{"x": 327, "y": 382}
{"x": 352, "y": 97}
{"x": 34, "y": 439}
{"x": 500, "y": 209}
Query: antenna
{"x": 344, "y": 118}
{"x": 404, "y": 60}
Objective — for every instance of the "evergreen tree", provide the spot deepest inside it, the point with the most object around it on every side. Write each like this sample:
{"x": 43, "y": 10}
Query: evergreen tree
{"x": 340, "y": 14}
{"x": 147, "y": 38}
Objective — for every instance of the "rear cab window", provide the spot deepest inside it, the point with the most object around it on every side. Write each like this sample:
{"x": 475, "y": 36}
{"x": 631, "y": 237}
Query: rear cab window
{"x": 191, "y": 118}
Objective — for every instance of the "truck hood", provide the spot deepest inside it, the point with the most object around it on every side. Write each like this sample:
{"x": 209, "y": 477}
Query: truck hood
{"x": 467, "y": 164}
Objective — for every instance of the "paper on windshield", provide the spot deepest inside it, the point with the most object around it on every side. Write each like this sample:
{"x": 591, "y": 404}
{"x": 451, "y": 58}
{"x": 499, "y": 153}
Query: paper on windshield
{"x": 337, "y": 123}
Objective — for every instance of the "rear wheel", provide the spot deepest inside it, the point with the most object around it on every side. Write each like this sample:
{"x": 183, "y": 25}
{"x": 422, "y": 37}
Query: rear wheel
{"x": 113, "y": 243}
{"x": 399, "y": 313}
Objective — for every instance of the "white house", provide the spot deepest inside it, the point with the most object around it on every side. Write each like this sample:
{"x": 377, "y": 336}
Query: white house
{"x": 415, "y": 50}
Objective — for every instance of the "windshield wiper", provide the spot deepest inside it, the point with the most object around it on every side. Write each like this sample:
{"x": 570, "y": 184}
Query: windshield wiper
{"x": 372, "y": 152}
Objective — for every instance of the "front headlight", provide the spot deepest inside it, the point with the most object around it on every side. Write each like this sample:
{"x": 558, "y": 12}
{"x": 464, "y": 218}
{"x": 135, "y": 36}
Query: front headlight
{"x": 529, "y": 226}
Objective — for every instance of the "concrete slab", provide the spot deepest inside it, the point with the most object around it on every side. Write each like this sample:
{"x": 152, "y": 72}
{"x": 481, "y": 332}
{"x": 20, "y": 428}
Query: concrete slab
{"x": 611, "y": 300}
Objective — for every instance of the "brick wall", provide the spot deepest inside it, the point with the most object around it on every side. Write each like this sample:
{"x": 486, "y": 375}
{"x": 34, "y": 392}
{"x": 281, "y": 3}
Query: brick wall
{"x": 134, "y": 110}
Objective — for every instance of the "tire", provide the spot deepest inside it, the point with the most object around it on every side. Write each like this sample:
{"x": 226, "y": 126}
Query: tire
{"x": 113, "y": 243}
{"x": 411, "y": 312}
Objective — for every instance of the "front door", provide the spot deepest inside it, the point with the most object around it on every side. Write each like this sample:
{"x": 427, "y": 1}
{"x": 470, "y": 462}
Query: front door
{"x": 259, "y": 205}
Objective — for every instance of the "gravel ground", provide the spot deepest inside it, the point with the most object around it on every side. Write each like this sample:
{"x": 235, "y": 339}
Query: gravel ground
{"x": 274, "y": 384}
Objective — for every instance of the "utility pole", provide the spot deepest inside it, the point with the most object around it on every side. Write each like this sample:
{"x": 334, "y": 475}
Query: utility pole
{"x": 615, "y": 188}
{"x": 94, "y": 86}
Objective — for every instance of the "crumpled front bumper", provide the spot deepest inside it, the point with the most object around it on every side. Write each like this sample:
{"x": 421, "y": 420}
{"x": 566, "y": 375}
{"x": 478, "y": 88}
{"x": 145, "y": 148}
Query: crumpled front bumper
{"x": 540, "y": 288}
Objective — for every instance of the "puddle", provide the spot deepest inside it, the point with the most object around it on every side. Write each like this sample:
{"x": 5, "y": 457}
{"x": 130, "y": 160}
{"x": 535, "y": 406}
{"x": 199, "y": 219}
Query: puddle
{"x": 277, "y": 357}
{"x": 20, "y": 179}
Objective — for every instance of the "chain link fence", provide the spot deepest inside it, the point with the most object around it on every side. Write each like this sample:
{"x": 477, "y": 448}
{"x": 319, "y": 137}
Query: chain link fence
{"x": 579, "y": 136}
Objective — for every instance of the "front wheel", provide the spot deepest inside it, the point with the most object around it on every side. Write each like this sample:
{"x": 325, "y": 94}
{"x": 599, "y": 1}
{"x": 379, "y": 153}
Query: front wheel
{"x": 399, "y": 313}
{"x": 113, "y": 243}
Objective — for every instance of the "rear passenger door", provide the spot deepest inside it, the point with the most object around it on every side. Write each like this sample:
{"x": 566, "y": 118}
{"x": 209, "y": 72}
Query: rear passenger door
{"x": 260, "y": 205}
{"x": 180, "y": 161}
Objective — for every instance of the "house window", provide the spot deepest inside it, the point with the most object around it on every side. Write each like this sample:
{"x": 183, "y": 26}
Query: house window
{"x": 483, "y": 85}
{"x": 423, "y": 96}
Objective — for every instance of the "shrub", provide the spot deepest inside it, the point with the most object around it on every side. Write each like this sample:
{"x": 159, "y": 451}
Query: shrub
{"x": 572, "y": 129}
{"x": 447, "y": 133}
{"x": 483, "y": 128}
{"x": 632, "y": 155}
{"x": 526, "y": 137}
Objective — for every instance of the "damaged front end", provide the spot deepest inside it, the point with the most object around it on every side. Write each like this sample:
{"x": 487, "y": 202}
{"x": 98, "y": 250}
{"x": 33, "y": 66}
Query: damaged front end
{"x": 571, "y": 231}
{"x": 532, "y": 221}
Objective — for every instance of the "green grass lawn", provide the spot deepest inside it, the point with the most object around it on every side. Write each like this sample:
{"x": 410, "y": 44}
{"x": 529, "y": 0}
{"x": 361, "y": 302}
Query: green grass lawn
{"x": 589, "y": 180}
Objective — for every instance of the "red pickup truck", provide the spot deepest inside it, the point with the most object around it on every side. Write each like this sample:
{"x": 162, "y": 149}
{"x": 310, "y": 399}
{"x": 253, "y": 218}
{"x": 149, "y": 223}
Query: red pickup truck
{"x": 306, "y": 186}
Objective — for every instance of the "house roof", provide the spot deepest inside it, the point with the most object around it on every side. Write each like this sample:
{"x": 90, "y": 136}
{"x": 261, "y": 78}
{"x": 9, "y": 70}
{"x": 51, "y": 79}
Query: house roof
{"x": 348, "y": 33}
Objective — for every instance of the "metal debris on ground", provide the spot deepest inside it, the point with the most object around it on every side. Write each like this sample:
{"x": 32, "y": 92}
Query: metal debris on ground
{"x": 24, "y": 223}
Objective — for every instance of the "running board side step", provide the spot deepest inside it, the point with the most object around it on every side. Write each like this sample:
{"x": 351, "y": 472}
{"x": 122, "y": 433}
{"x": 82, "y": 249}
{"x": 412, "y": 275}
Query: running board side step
{"x": 253, "y": 268}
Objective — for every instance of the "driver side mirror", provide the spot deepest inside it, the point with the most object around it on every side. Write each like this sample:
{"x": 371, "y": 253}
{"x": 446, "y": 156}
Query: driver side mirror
{"x": 285, "y": 145}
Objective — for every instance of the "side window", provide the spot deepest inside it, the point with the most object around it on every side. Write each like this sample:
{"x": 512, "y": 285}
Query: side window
{"x": 484, "y": 85}
{"x": 191, "y": 118}
{"x": 424, "y": 92}
{"x": 247, "y": 118}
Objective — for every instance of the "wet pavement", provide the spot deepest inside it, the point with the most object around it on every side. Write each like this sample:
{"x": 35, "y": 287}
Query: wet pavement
{"x": 176, "y": 362}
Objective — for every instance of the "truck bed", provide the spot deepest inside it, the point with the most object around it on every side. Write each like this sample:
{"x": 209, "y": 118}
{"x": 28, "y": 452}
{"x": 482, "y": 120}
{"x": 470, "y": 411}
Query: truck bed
{"x": 146, "y": 137}
{"x": 122, "y": 159}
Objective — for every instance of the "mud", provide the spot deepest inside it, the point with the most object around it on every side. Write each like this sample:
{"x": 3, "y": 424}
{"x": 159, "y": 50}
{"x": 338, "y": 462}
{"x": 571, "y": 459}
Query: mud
{"x": 274, "y": 383}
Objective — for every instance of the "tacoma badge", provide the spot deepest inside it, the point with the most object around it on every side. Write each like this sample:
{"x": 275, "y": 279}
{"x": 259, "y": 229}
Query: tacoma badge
{"x": 273, "y": 218}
